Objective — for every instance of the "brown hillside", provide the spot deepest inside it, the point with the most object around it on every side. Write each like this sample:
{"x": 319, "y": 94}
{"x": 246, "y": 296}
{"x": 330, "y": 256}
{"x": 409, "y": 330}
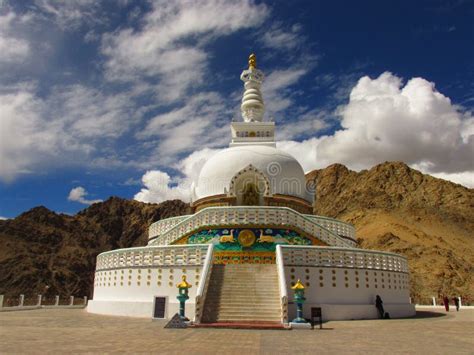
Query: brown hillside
{"x": 40, "y": 247}
{"x": 399, "y": 209}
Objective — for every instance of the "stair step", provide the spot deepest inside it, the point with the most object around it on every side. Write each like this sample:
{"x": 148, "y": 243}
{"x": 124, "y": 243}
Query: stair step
{"x": 243, "y": 292}
{"x": 233, "y": 294}
{"x": 231, "y": 319}
{"x": 243, "y": 304}
{"x": 246, "y": 305}
{"x": 246, "y": 286}
{"x": 240, "y": 310}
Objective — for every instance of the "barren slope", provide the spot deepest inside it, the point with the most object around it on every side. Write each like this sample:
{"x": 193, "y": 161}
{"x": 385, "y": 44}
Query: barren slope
{"x": 395, "y": 208}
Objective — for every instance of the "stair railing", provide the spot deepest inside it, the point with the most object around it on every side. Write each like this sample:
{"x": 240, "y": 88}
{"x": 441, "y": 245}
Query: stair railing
{"x": 284, "y": 216}
{"x": 203, "y": 284}
{"x": 282, "y": 285}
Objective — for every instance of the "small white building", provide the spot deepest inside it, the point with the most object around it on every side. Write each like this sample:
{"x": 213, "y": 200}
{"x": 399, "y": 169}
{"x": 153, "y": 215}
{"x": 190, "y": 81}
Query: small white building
{"x": 251, "y": 237}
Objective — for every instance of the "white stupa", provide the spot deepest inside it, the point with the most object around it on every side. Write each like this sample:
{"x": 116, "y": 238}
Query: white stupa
{"x": 251, "y": 237}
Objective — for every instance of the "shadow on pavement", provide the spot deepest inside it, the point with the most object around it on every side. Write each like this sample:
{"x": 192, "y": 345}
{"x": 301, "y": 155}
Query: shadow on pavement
{"x": 428, "y": 314}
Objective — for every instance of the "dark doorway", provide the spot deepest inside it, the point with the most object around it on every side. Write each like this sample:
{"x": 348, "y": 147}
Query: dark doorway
{"x": 159, "y": 307}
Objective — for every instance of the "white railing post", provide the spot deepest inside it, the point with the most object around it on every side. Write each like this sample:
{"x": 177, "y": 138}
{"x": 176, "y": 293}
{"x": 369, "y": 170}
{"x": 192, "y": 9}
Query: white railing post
{"x": 85, "y": 300}
{"x": 56, "y": 300}
{"x": 434, "y": 300}
{"x": 22, "y": 300}
{"x": 203, "y": 284}
{"x": 460, "y": 304}
{"x": 71, "y": 300}
{"x": 40, "y": 297}
{"x": 1, "y": 301}
{"x": 344, "y": 257}
{"x": 282, "y": 285}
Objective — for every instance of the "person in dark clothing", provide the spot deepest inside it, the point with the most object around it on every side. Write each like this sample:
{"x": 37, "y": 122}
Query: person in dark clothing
{"x": 379, "y": 306}
{"x": 456, "y": 303}
{"x": 446, "y": 303}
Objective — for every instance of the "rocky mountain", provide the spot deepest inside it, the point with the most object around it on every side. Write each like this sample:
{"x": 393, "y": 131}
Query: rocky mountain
{"x": 40, "y": 248}
{"x": 396, "y": 208}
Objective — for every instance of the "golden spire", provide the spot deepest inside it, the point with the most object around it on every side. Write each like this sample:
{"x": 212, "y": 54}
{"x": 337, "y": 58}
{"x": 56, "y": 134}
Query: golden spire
{"x": 252, "y": 61}
{"x": 298, "y": 285}
{"x": 183, "y": 284}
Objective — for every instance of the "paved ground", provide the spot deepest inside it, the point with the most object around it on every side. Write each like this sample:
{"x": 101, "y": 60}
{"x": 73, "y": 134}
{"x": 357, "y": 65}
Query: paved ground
{"x": 75, "y": 331}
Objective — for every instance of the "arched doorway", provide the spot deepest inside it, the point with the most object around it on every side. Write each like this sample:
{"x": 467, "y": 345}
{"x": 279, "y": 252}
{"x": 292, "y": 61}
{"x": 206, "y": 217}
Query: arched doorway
{"x": 249, "y": 186}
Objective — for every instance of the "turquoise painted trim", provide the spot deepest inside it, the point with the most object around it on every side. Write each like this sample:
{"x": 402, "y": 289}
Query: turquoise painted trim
{"x": 256, "y": 209}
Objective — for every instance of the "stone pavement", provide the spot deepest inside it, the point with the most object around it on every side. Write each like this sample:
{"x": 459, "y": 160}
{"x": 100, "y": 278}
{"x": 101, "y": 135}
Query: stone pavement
{"x": 76, "y": 331}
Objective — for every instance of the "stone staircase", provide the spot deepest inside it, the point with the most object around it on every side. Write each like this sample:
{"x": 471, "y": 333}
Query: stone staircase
{"x": 242, "y": 293}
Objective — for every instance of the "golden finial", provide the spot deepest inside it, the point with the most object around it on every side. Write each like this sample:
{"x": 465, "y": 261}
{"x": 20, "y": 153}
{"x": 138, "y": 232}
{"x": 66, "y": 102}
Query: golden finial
{"x": 252, "y": 61}
{"x": 183, "y": 284}
{"x": 298, "y": 285}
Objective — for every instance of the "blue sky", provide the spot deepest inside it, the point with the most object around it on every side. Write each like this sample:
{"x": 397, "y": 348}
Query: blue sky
{"x": 129, "y": 98}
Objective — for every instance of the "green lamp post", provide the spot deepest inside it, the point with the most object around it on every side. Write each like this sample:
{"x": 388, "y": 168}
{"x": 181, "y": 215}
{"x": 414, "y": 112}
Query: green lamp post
{"x": 299, "y": 300}
{"x": 182, "y": 297}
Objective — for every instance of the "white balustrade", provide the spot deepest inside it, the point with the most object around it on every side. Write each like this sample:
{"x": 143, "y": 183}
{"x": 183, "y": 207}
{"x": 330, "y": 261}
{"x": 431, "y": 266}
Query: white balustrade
{"x": 203, "y": 284}
{"x": 282, "y": 285}
{"x": 152, "y": 256}
{"x": 342, "y": 257}
{"x": 338, "y": 227}
{"x": 277, "y": 216}
{"x": 164, "y": 225}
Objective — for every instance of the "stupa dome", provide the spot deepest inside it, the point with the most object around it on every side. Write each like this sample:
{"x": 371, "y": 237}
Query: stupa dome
{"x": 277, "y": 168}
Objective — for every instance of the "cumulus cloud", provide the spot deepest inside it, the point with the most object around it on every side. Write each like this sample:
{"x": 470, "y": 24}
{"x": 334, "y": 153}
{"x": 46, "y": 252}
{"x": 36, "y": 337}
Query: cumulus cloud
{"x": 159, "y": 187}
{"x": 200, "y": 121}
{"x": 3, "y": 218}
{"x": 414, "y": 123}
{"x": 170, "y": 43}
{"x": 70, "y": 14}
{"x": 13, "y": 49}
{"x": 388, "y": 121}
{"x": 63, "y": 128}
{"x": 78, "y": 194}
{"x": 280, "y": 38}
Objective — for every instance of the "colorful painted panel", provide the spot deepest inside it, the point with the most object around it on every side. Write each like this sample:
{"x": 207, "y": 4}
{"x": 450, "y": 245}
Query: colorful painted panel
{"x": 255, "y": 239}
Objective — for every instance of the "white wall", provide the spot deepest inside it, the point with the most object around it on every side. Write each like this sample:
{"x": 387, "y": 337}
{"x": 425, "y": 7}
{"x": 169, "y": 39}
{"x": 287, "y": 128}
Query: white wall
{"x": 345, "y": 293}
{"x": 131, "y": 291}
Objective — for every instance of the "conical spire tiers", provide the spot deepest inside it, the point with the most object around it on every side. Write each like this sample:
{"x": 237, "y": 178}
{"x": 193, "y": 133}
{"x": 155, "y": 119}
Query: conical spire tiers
{"x": 252, "y": 107}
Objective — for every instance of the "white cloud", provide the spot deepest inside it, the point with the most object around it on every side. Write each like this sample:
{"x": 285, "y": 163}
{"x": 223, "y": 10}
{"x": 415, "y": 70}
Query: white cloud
{"x": 64, "y": 128}
{"x": 306, "y": 124}
{"x": 465, "y": 178}
{"x": 24, "y": 136}
{"x": 3, "y": 218}
{"x": 305, "y": 152}
{"x": 158, "y": 188}
{"x": 170, "y": 43}
{"x": 200, "y": 121}
{"x": 277, "y": 89}
{"x": 280, "y": 38}
{"x": 13, "y": 49}
{"x": 413, "y": 123}
{"x": 70, "y": 14}
{"x": 78, "y": 194}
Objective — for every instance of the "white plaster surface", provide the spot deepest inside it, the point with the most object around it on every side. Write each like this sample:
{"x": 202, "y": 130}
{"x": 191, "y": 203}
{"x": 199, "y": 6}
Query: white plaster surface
{"x": 284, "y": 172}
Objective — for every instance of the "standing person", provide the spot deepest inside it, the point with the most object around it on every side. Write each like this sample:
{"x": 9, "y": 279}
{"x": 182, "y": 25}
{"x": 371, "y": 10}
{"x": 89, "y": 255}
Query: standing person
{"x": 379, "y": 306}
{"x": 456, "y": 303}
{"x": 446, "y": 303}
